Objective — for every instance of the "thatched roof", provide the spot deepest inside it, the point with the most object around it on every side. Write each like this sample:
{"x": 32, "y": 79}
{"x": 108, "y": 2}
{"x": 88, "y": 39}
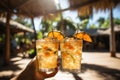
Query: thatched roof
{"x": 35, "y": 8}
{"x": 85, "y": 6}
{"x": 14, "y": 26}
{"x": 28, "y": 8}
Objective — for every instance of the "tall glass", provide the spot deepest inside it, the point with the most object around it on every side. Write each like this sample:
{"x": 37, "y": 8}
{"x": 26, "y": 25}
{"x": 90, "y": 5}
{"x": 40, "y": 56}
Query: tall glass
{"x": 71, "y": 54}
{"x": 47, "y": 54}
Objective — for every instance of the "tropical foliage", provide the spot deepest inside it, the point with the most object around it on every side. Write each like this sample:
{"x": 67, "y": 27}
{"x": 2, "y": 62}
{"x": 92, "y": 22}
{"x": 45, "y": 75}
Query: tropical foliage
{"x": 117, "y": 21}
{"x": 84, "y": 21}
{"x": 39, "y": 35}
{"x": 68, "y": 25}
{"x": 92, "y": 26}
{"x": 48, "y": 23}
{"x": 106, "y": 23}
{"x": 56, "y": 23}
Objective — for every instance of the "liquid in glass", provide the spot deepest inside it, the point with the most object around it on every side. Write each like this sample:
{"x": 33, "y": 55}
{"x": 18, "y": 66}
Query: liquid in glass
{"x": 71, "y": 54}
{"x": 47, "y": 54}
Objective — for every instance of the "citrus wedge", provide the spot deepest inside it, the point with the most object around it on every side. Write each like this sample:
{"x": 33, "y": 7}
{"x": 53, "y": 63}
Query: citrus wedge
{"x": 84, "y": 36}
{"x": 55, "y": 34}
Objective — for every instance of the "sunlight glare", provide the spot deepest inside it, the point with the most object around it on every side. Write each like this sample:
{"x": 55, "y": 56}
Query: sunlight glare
{"x": 56, "y": 1}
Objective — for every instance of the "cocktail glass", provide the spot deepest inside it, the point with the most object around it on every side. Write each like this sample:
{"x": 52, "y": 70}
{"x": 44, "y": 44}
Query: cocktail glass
{"x": 71, "y": 54}
{"x": 47, "y": 54}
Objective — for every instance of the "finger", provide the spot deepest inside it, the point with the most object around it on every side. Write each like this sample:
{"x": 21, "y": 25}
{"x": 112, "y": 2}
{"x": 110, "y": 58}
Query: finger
{"x": 46, "y": 75}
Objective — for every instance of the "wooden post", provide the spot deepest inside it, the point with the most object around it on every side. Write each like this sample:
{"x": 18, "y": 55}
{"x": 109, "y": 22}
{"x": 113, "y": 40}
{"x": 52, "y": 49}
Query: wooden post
{"x": 7, "y": 40}
{"x": 112, "y": 36}
{"x": 25, "y": 39}
{"x": 35, "y": 34}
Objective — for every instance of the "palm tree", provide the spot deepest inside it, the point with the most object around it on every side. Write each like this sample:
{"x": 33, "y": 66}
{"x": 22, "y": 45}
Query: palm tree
{"x": 69, "y": 26}
{"x": 48, "y": 22}
{"x": 93, "y": 26}
{"x": 105, "y": 23}
{"x": 101, "y": 21}
{"x": 117, "y": 21}
{"x": 84, "y": 21}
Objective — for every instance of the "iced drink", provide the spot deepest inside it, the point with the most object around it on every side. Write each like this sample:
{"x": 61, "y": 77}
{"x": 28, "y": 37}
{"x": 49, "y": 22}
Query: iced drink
{"x": 71, "y": 54}
{"x": 47, "y": 54}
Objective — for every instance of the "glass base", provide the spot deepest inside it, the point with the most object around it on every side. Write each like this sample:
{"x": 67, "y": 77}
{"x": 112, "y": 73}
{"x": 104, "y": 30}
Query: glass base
{"x": 47, "y": 70}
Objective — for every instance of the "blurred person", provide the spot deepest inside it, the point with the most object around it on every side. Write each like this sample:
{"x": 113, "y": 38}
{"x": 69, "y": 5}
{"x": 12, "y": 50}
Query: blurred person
{"x": 14, "y": 43}
{"x": 23, "y": 48}
{"x": 13, "y": 46}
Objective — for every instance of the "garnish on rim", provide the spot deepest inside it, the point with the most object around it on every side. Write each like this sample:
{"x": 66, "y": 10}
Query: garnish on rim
{"x": 55, "y": 34}
{"x": 84, "y": 36}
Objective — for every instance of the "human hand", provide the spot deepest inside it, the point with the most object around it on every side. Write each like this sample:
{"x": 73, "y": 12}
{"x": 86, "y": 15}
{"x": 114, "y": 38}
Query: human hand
{"x": 31, "y": 73}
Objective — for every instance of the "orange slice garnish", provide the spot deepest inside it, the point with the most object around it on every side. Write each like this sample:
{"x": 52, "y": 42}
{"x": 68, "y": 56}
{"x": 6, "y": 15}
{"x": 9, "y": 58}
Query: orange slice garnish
{"x": 84, "y": 36}
{"x": 55, "y": 34}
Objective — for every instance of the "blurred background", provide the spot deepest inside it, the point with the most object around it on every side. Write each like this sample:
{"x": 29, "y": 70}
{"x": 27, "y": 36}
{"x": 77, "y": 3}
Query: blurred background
{"x": 22, "y": 22}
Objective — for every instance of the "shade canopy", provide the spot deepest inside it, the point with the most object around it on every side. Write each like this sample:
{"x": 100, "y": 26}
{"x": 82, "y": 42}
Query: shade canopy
{"x": 85, "y": 6}
{"x": 28, "y": 8}
{"x": 35, "y": 8}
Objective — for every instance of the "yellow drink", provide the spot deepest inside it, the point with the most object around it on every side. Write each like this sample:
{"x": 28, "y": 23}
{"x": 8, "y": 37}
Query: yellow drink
{"x": 71, "y": 54}
{"x": 47, "y": 54}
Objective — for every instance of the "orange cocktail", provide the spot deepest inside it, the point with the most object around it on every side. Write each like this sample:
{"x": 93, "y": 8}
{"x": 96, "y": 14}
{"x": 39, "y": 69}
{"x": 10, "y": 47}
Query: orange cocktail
{"x": 47, "y": 54}
{"x": 71, "y": 54}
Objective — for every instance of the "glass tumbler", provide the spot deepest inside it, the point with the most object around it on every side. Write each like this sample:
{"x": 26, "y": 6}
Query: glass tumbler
{"x": 47, "y": 54}
{"x": 71, "y": 54}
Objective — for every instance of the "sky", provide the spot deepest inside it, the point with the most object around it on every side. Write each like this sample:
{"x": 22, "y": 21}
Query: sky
{"x": 73, "y": 15}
